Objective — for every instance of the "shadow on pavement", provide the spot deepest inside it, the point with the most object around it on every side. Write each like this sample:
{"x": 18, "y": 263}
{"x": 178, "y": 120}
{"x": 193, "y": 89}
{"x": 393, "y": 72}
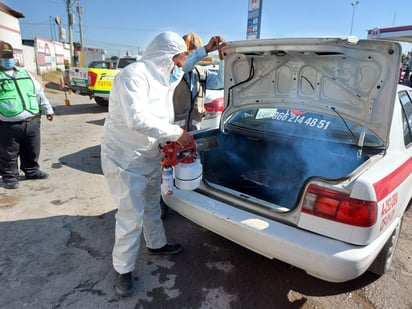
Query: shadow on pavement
{"x": 51, "y": 85}
{"x": 99, "y": 122}
{"x": 86, "y": 160}
{"x": 91, "y": 108}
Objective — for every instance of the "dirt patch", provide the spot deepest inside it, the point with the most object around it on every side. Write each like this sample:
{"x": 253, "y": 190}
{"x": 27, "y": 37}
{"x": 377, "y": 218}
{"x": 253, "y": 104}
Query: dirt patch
{"x": 53, "y": 77}
{"x": 7, "y": 200}
{"x": 49, "y": 80}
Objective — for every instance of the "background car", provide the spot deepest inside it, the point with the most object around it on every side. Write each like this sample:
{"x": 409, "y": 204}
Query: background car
{"x": 76, "y": 78}
{"x": 103, "y": 64}
{"x": 214, "y": 105}
{"x": 100, "y": 79}
{"x": 124, "y": 61}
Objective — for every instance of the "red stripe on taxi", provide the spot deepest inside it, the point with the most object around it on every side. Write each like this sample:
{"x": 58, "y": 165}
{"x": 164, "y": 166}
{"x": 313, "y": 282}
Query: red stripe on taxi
{"x": 388, "y": 184}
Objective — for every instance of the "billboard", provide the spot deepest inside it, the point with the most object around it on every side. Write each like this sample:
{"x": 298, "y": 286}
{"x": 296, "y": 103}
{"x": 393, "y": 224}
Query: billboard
{"x": 253, "y": 19}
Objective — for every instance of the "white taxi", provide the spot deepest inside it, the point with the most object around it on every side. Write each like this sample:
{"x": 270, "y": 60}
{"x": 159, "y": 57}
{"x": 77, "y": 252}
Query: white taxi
{"x": 312, "y": 162}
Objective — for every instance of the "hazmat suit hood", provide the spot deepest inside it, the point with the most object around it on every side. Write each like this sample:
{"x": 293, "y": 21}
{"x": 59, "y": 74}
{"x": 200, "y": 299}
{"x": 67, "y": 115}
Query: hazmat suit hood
{"x": 141, "y": 114}
{"x": 160, "y": 52}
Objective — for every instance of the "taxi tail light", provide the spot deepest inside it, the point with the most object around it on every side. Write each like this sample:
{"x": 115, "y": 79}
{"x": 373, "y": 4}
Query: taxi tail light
{"x": 215, "y": 105}
{"x": 339, "y": 206}
{"x": 92, "y": 78}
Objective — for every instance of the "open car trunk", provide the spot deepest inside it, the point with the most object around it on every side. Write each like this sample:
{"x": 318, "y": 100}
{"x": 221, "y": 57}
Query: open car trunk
{"x": 275, "y": 169}
{"x": 296, "y": 109}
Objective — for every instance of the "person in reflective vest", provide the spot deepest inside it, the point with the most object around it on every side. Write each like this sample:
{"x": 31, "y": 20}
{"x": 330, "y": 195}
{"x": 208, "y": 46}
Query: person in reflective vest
{"x": 22, "y": 101}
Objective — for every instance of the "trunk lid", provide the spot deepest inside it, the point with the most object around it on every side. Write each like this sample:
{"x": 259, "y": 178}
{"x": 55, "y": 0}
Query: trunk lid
{"x": 355, "y": 78}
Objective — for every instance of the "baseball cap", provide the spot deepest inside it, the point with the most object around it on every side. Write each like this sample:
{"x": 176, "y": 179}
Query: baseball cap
{"x": 6, "y": 51}
{"x": 193, "y": 41}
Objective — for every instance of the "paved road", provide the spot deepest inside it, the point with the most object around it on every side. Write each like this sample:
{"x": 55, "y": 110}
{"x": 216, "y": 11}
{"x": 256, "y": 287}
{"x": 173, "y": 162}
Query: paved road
{"x": 57, "y": 236}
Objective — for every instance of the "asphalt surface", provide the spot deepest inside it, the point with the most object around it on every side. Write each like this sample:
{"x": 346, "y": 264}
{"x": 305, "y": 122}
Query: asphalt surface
{"x": 57, "y": 234}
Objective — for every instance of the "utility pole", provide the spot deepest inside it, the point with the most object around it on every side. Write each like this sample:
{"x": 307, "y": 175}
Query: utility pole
{"x": 70, "y": 20}
{"x": 52, "y": 27}
{"x": 354, "y": 5}
{"x": 80, "y": 12}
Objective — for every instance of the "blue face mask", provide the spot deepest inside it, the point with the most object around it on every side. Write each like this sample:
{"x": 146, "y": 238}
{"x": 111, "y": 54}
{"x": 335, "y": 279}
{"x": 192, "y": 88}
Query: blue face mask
{"x": 176, "y": 74}
{"x": 7, "y": 63}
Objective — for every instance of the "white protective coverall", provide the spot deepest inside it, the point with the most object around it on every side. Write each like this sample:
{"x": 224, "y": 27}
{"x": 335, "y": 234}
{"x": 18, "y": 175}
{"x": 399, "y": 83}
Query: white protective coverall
{"x": 140, "y": 118}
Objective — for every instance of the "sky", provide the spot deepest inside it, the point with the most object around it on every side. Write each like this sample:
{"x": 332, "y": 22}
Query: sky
{"x": 129, "y": 25}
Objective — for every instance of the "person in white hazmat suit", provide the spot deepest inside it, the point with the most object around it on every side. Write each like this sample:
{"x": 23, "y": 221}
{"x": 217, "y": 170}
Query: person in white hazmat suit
{"x": 141, "y": 118}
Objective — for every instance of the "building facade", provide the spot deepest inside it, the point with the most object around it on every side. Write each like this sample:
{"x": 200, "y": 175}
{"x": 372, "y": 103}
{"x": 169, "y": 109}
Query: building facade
{"x": 38, "y": 55}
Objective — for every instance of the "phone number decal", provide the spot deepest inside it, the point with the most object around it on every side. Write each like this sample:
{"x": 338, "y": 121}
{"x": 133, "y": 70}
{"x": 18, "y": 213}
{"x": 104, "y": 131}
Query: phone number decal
{"x": 302, "y": 120}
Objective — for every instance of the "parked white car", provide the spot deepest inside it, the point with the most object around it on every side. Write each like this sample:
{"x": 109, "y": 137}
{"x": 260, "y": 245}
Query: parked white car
{"x": 214, "y": 105}
{"x": 313, "y": 157}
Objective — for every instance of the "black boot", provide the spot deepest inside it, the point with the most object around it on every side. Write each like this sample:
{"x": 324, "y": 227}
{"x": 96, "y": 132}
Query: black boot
{"x": 167, "y": 249}
{"x": 124, "y": 284}
{"x": 11, "y": 184}
{"x": 38, "y": 175}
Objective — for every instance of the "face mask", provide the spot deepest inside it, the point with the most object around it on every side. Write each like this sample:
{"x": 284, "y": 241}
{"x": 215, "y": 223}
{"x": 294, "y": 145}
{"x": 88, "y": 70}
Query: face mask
{"x": 7, "y": 63}
{"x": 176, "y": 74}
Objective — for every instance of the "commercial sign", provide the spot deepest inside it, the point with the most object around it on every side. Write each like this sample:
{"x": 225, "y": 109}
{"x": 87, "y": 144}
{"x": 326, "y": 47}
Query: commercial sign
{"x": 253, "y": 20}
{"x": 50, "y": 55}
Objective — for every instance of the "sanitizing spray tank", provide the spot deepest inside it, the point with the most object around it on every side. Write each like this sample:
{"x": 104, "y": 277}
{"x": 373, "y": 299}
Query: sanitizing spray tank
{"x": 182, "y": 165}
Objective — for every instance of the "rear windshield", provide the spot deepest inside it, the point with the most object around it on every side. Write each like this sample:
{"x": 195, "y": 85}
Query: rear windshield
{"x": 102, "y": 65}
{"x": 125, "y": 61}
{"x": 301, "y": 124}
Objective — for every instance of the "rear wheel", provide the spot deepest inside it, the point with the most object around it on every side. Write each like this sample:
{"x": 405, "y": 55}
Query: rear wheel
{"x": 383, "y": 261}
{"x": 101, "y": 101}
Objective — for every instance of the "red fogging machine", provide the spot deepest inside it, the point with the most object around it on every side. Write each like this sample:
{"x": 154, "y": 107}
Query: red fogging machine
{"x": 185, "y": 163}
{"x": 175, "y": 154}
